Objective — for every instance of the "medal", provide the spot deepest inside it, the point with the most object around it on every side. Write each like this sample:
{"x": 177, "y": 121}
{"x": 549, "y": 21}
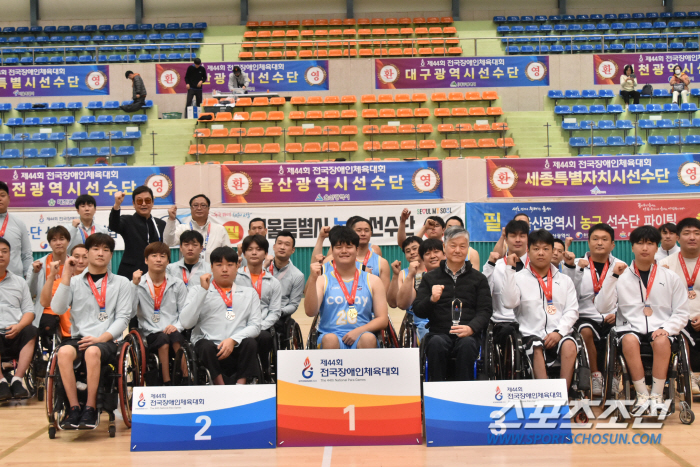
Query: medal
{"x": 230, "y": 315}
{"x": 547, "y": 289}
{"x": 352, "y": 313}
{"x": 652, "y": 274}
{"x": 156, "y": 316}
{"x": 551, "y": 309}
{"x": 349, "y": 297}
{"x": 157, "y": 300}
{"x": 4, "y": 225}
{"x": 101, "y": 298}
{"x": 688, "y": 279}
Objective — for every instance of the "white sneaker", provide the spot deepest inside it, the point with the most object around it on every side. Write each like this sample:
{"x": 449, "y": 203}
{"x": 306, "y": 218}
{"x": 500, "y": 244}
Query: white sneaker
{"x": 695, "y": 383}
{"x": 656, "y": 403}
{"x": 641, "y": 405}
{"x": 597, "y": 384}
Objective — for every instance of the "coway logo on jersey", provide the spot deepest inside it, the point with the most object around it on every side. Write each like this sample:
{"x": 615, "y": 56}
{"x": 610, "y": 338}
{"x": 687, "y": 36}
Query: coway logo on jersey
{"x": 142, "y": 401}
{"x": 499, "y": 395}
{"x": 339, "y": 300}
{"x": 308, "y": 371}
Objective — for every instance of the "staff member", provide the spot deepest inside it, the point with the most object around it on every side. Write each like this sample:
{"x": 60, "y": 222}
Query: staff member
{"x": 138, "y": 230}
{"x": 195, "y": 77}
{"x": 628, "y": 83}
{"x": 237, "y": 79}
{"x": 15, "y": 232}
{"x": 138, "y": 93}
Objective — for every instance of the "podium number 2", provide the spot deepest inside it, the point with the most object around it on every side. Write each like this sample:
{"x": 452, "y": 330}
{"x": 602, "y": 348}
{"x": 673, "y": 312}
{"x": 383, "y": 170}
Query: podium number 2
{"x": 200, "y": 436}
{"x": 351, "y": 410}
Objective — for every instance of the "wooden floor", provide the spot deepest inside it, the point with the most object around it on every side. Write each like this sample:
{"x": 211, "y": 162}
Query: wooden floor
{"x": 24, "y": 441}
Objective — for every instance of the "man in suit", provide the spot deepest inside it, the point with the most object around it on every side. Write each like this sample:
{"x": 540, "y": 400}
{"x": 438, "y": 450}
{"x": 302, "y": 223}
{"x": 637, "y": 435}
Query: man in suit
{"x": 138, "y": 230}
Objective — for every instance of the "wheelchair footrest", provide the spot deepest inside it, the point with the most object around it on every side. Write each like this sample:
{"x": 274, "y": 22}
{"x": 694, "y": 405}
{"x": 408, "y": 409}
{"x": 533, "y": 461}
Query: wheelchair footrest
{"x": 584, "y": 382}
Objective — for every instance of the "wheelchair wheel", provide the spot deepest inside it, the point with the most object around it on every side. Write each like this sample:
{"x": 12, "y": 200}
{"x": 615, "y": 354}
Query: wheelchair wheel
{"x": 612, "y": 372}
{"x": 55, "y": 401}
{"x": 297, "y": 340}
{"x": 312, "y": 341}
{"x": 582, "y": 371}
{"x": 389, "y": 337}
{"x": 271, "y": 375}
{"x": 187, "y": 376}
{"x": 140, "y": 352}
{"x": 129, "y": 378}
{"x": 683, "y": 382}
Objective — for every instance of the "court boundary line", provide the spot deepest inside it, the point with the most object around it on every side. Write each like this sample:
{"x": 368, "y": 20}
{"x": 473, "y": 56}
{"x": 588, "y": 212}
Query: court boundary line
{"x": 328, "y": 455}
{"x": 21, "y": 443}
{"x": 673, "y": 456}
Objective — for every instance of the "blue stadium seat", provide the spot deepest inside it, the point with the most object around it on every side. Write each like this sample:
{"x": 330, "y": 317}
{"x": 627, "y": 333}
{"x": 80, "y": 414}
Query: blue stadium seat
{"x": 31, "y": 121}
{"x": 19, "y": 137}
{"x": 110, "y": 105}
{"x": 57, "y": 136}
{"x": 673, "y": 139}
{"x": 615, "y": 141}
{"x": 70, "y": 152}
{"x": 47, "y": 153}
{"x": 26, "y": 61}
{"x": 178, "y": 57}
{"x": 87, "y": 120}
{"x": 654, "y": 108}
{"x": 106, "y": 151}
{"x": 104, "y": 120}
{"x": 132, "y": 27}
{"x": 606, "y": 125}
{"x": 597, "y": 141}
{"x": 671, "y": 107}
{"x": 186, "y": 26}
{"x": 145, "y": 27}
{"x": 614, "y": 109}
{"x": 119, "y": 164}
{"x": 569, "y": 126}
{"x": 118, "y": 28}
{"x": 526, "y": 49}
{"x": 39, "y": 137}
{"x": 588, "y": 124}
{"x": 665, "y": 123}
{"x": 499, "y": 19}
{"x": 571, "y": 48}
{"x": 5, "y": 137}
{"x": 597, "y": 109}
{"x": 86, "y": 59}
{"x": 632, "y": 141}
{"x": 115, "y": 135}
{"x": 71, "y": 60}
{"x": 676, "y": 46}
{"x": 684, "y": 123}
{"x": 624, "y": 125}
{"x": 121, "y": 119}
{"x": 49, "y": 121}
{"x": 132, "y": 135}
{"x": 577, "y": 142}
{"x": 690, "y": 107}
{"x": 125, "y": 151}
{"x": 88, "y": 152}
{"x": 145, "y": 58}
{"x": 94, "y": 105}
{"x": 539, "y": 49}
{"x": 79, "y": 136}
{"x": 197, "y": 36}
{"x": 11, "y": 154}
{"x": 91, "y": 28}
{"x": 200, "y": 26}
{"x": 579, "y": 109}
{"x": 139, "y": 119}
{"x": 14, "y": 122}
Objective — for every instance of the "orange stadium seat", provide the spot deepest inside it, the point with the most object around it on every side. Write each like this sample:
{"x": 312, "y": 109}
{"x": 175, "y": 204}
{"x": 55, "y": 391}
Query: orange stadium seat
{"x": 388, "y": 130}
{"x": 438, "y": 97}
{"x": 331, "y": 130}
{"x": 407, "y": 128}
{"x": 202, "y": 133}
{"x": 313, "y": 131}
{"x": 455, "y": 97}
{"x": 331, "y": 100}
{"x": 426, "y": 144}
{"x": 390, "y": 145}
{"x": 462, "y": 127}
{"x": 312, "y": 147}
{"x": 223, "y": 117}
{"x": 445, "y": 128}
{"x": 242, "y": 102}
{"x": 293, "y": 148}
{"x": 234, "y": 149}
{"x": 460, "y": 112}
{"x": 197, "y": 148}
{"x": 369, "y": 114}
{"x": 476, "y": 111}
{"x": 215, "y": 149}
{"x": 348, "y": 114}
{"x": 219, "y": 133}
{"x": 253, "y": 148}
{"x": 442, "y": 112}
{"x": 422, "y": 112}
{"x": 370, "y": 129}
{"x": 296, "y": 115}
{"x": 314, "y": 115}
{"x": 494, "y": 111}
{"x": 241, "y": 117}
{"x": 273, "y": 131}
{"x": 330, "y": 147}
{"x": 348, "y": 146}
{"x": 387, "y": 113}
{"x": 256, "y": 132}
{"x": 314, "y": 100}
{"x": 424, "y": 128}
{"x": 260, "y": 101}
{"x": 408, "y": 145}
{"x": 237, "y": 132}
{"x": 454, "y": 50}
{"x": 348, "y": 130}
{"x": 449, "y": 144}
{"x": 482, "y": 127}
{"x": 258, "y": 116}
{"x": 331, "y": 115}
{"x": 404, "y": 113}
{"x": 505, "y": 142}
{"x": 487, "y": 143}
{"x": 275, "y": 116}
{"x": 469, "y": 144}
{"x": 372, "y": 146}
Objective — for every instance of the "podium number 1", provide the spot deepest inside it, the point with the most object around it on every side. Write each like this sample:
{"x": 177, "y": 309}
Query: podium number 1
{"x": 200, "y": 436}
{"x": 351, "y": 410}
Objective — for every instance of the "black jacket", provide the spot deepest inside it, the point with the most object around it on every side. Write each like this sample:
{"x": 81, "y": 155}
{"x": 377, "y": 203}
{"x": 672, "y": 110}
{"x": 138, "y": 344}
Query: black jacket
{"x": 138, "y": 88}
{"x": 194, "y": 75}
{"x": 472, "y": 288}
{"x": 137, "y": 233}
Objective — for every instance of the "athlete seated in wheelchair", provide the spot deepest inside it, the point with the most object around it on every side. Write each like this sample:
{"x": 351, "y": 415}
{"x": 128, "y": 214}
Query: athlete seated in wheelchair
{"x": 100, "y": 305}
{"x": 652, "y": 304}
{"x": 350, "y": 304}
{"x": 225, "y": 319}
{"x": 545, "y": 305}
{"x": 456, "y": 300}
{"x": 158, "y": 301}
{"x": 17, "y": 335}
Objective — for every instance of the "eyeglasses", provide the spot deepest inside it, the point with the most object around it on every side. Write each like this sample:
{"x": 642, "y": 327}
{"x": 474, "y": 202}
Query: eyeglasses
{"x": 141, "y": 201}
{"x": 200, "y": 206}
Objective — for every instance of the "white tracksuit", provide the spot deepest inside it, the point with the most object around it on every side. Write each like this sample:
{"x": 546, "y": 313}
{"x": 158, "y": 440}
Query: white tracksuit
{"x": 584, "y": 288}
{"x": 497, "y": 276}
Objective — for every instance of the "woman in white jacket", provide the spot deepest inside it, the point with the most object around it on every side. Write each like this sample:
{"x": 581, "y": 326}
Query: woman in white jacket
{"x": 651, "y": 308}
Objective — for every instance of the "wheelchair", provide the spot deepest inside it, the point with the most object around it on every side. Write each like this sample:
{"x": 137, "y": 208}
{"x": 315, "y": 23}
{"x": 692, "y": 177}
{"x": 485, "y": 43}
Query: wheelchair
{"x": 45, "y": 347}
{"x": 149, "y": 362}
{"x": 33, "y": 377}
{"x": 678, "y": 376}
{"x": 386, "y": 338}
{"x": 483, "y": 365}
{"x": 116, "y": 388}
{"x": 504, "y": 358}
{"x": 408, "y": 332}
{"x": 188, "y": 370}
{"x": 286, "y": 335}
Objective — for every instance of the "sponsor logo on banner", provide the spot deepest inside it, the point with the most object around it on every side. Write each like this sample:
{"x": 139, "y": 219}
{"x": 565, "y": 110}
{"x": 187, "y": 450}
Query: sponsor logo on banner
{"x": 142, "y": 401}
{"x": 499, "y": 395}
{"x": 308, "y": 371}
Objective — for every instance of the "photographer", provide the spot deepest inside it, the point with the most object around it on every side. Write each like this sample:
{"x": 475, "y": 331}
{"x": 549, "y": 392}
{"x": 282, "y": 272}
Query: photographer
{"x": 628, "y": 82}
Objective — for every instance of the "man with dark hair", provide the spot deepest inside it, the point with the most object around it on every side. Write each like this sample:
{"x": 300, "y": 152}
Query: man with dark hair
{"x": 137, "y": 230}
{"x": 138, "y": 92}
{"x": 406, "y": 281}
{"x": 558, "y": 253}
{"x": 18, "y": 336}
{"x": 588, "y": 274}
{"x": 226, "y": 320}
{"x": 190, "y": 267}
{"x": 195, "y": 77}
{"x": 351, "y": 303}
{"x": 214, "y": 234}
{"x": 545, "y": 306}
{"x": 100, "y": 305}
{"x": 454, "y": 221}
{"x": 669, "y": 241}
{"x": 456, "y": 300}
{"x": 85, "y": 225}
{"x": 238, "y": 79}
{"x": 15, "y": 232}
{"x": 291, "y": 279}
{"x": 45, "y": 319}
{"x": 410, "y": 248}
{"x": 500, "y": 246}
{"x": 158, "y": 301}
{"x": 686, "y": 266}
{"x": 256, "y": 226}
{"x": 267, "y": 287}
{"x": 652, "y": 307}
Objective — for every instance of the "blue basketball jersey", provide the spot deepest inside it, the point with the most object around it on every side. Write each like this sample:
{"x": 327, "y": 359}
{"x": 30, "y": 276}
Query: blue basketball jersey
{"x": 373, "y": 264}
{"x": 334, "y": 309}
{"x": 418, "y": 321}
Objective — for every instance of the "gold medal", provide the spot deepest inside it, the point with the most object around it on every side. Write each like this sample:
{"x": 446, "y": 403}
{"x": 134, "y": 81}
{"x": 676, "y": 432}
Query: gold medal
{"x": 648, "y": 311}
{"x": 692, "y": 294}
{"x": 352, "y": 313}
{"x": 551, "y": 309}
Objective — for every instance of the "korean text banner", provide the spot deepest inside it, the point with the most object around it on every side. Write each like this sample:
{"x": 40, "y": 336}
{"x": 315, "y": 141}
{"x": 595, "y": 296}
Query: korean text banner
{"x": 295, "y": 75}
{"x": 332, "y": 182}
{"x": 648, "y": 67}
{"x": 461, "y": 72}
{"x": 45, "y": 81}
{"x": 573, "y": 219}
{"x": 59, "y": 187}
{"x": 585, "y": 176}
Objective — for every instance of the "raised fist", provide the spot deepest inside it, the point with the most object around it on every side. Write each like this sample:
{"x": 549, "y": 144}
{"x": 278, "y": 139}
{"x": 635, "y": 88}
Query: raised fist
{"x": 76, "y": 223}
{"x": 55, "y": 266}
{"x": 319, "y": 259}
{"x": 413, "y": 267}
{"x": 513, "y": 259}
{"x": 569, "y": 257}
{"x": 118, "y": 199}
{"x": 136, "y": 277}
{"x": 405, "y": 214}
{"x": 69, "y": 266}
{"x": 324, "y": 232}
{"x": 396, "y": 267}
{"x": 316, "y": 269}
{"x": 619, "y": 268}
{"x": 437, "y": 293}
{"x": 172, "y": 213}
{"x": 36, "y": 266}
{"x": 568, "y": 242}
{"x": 582, "y": 263}
{"x": 494, "y": 256}
{"x": 205, "y": 280}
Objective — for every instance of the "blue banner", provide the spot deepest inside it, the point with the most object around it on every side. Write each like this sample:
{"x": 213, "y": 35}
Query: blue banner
{"x": 462, "y": 72}
{"x": 267, "y": 76}
{"x": 45, "y": 81}
{"x": 59, "y": 187}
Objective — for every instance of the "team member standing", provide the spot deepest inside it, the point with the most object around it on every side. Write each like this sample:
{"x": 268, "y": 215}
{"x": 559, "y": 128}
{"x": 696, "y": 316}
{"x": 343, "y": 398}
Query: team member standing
{"x": 138, "y": 93}
{"x": 266, "y": 286}
{"x": 81, "y": 228}
{"x": 195, "y": 77}
{"x": 214, "y": 235}
{"x": 686, "y": 265}
{"x": 226, "y": 320}
{"x": 291, "y": 279}
{"x": 158, "y": 300}
{"x": 138, "y": 230}
{"x": 15, "y": 232}
{"x": 455, "y": 288}
{"x": 588, "y": 274}
{"x": 256, "y": 226}
{"x": 495, "y": 271}
{"x": 652, "y": 307}
{"x": 669, "y": 241}
{"x": 558, "y": 253}
{"x": 346, "y": 297}
{"x": 545, "y": 306}
{"x": 190, "y": 267}
{"x": 17, "y": 335}
{"x": 410, "y": 249}
{"x": 500, "y": 246}
{"x": 100, "y": 305}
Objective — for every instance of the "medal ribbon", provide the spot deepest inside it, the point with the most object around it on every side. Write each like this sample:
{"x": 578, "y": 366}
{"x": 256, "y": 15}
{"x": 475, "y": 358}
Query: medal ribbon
{"x": 688, "y": 279}
{"x": 83, "y": 232}
{"x": 102, "y": 296}
{"x": 598, "y": 284}
{"x": 547, "y": 288}
{"x": 4, "y": 225}
{"x": 350, "y": 297}
{"x": 227, "y": 300}
{"x": 652, "y": 275}
{"x": 159, "y": 299}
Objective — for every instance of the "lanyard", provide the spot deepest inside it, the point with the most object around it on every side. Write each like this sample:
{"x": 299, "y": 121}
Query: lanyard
{"x": 281, "y": 273}
{"x": 102, "y": 297}
{"x": 349, "y": 297}
{"x": 49, "y": 260}
{"x": 4, "y": 225}
{"x": 206, "y": 240}
{"x": 546, "y": 288}
{"x": 83, "y": 232}
{"x": 148, "y": 233}
{"x": 364, "y": 262}
{"x": 185, "y": 279}
{"x": 688, "y": 279}
{"x": 157, "y": 300}
{"x": 258, "y": 284}
{"x": 650, "y": 281}
{"x": 227, "y": 300}
{"x": 598, "y": 284}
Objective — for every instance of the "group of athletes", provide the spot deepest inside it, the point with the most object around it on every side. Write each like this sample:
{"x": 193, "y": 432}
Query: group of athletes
{"x": 230, "y": 299}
